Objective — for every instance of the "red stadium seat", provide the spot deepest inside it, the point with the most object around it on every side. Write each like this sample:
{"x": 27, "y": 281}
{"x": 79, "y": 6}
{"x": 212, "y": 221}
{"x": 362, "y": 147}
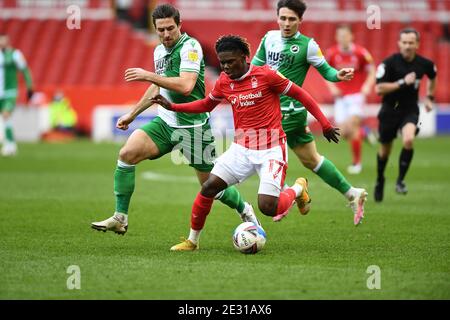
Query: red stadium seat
{"x": 443, "y": 65}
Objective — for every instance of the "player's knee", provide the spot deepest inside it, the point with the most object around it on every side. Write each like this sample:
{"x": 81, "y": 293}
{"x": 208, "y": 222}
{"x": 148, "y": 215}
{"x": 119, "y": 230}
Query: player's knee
{"x": 128, "y": 155}
{"x": 267, "y": 207}
{"x": 408, "y": 143}
{"x": 383, "y": 156}
{"x": 344, "y": 131}
{"x": 355, "y": 133}
{"x": 210, "y": 189}
{"x": 310, "y": 163}
{"x": 355, "y": 123}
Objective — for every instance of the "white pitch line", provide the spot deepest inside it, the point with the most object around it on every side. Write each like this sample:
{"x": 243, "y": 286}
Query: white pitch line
{"x": 148, "y": 175}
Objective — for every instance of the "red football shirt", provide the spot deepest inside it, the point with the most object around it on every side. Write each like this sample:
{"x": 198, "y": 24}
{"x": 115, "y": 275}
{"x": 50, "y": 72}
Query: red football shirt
{"x": 358, "y": 58}
{"x": 255, "y": 101}
{"x": 254, "y": 98}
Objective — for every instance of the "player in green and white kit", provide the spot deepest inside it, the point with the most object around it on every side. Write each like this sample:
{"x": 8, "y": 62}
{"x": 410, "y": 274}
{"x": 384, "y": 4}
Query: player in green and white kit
{"x": 179, "y": 67}
{"x": 11, "y": 62}
{"x": 292, "y": 53}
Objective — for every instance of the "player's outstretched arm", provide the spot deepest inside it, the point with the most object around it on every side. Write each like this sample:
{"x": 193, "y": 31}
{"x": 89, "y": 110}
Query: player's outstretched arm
{"x": 331, "y": 74}
{"x": 199, "y": 106}
{"x": 431, "y": 87}
{"x": 163, "y": 102}
{"x": 124, "y": 121}
{"x": 184, "y": 84}
{"x": 28, "y": 81}
{"x": 331, "y": 133}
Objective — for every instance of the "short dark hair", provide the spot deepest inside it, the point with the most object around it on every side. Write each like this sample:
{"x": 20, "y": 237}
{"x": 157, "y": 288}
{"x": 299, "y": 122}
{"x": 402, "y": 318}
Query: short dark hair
{"x": 410, "y": 30}
{"x": 166, "y": 11}
{"x": 298, "y": 6}
{"x": 233, "y": 43}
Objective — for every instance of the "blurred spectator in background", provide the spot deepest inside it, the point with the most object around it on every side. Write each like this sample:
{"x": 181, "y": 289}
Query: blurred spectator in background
{"x": 123, "y": 8}
{"x": 135, "y": 12}
{"x": 63, "y": 119}
{"x": 62, "y": 116}
{"x": 447, "y": 31}
{"x": 140, "y": 13}
{"x": 11, "y": 61}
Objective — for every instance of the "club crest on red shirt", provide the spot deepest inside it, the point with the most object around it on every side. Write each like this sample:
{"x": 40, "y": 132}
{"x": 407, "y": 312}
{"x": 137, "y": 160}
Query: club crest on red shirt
{"x": 254, "y": 82}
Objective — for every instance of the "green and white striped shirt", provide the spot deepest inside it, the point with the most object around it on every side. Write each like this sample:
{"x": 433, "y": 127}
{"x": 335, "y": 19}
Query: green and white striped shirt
{"x": 292, "y": 57}
{"x": 11, "y": 61}
{"x": 185, "y": 56}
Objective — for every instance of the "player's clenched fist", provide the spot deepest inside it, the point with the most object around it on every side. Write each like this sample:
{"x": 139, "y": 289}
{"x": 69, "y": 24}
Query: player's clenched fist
{"x": 124, "y": 121}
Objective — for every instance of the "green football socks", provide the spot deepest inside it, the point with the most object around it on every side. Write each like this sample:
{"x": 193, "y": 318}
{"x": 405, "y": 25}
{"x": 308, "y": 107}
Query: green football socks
{"x": 9, "y": 135}
{"x": 124, "y": 177}
{"x": 332, "y": 176}
{"x": 232, "y": 198}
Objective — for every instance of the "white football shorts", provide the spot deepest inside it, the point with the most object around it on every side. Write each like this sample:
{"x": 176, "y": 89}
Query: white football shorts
{"x": 348, "y": 106}
{"x": 239, "y": 163}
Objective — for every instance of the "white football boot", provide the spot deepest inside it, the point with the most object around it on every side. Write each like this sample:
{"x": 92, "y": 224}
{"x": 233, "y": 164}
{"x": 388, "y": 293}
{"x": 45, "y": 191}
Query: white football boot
{"x": 9, "y": 149}
{"x": 117, "y": 223}
{"x": 249, "y": 215}
{"x": 354, "y": 168}
{"x": 357, "y": 205}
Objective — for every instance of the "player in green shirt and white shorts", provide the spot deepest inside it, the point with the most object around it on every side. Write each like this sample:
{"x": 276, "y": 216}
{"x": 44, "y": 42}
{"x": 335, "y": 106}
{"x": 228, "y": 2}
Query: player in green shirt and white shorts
{"x": 11, "y": 62}
{"x": 179, "y": 77}
{"x": 292, "y": 53}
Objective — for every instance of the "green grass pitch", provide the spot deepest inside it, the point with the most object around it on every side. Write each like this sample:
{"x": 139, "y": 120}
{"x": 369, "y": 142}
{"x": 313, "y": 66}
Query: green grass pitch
{"x": 50, "y": 193}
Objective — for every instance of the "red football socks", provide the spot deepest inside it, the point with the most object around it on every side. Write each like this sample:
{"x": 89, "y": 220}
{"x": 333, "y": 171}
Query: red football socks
{"x": 285, "y": 200}
{"x": 356, "y": 150}
{"x": 200, "y": 209}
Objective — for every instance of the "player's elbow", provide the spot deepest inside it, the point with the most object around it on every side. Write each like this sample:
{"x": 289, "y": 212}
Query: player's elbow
{"x": 186, "y": 93}
{"x": 187, "y": 90}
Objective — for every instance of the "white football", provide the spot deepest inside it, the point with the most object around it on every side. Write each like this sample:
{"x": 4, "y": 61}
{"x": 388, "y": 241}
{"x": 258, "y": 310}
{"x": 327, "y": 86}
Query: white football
{"x": 249, "y": 238}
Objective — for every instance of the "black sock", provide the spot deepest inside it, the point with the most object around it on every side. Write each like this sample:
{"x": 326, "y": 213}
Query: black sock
{"x": 404, "y": 162}
{"x": 381, "y": 165}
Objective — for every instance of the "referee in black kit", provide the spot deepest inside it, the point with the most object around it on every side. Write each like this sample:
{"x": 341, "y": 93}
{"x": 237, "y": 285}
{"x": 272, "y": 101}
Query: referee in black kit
{"x": 398, "y": 79}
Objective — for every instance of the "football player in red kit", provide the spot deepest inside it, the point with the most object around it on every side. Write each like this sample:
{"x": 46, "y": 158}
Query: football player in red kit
{"x": 259, "y": 144}
{"x": 350, "y": 96}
